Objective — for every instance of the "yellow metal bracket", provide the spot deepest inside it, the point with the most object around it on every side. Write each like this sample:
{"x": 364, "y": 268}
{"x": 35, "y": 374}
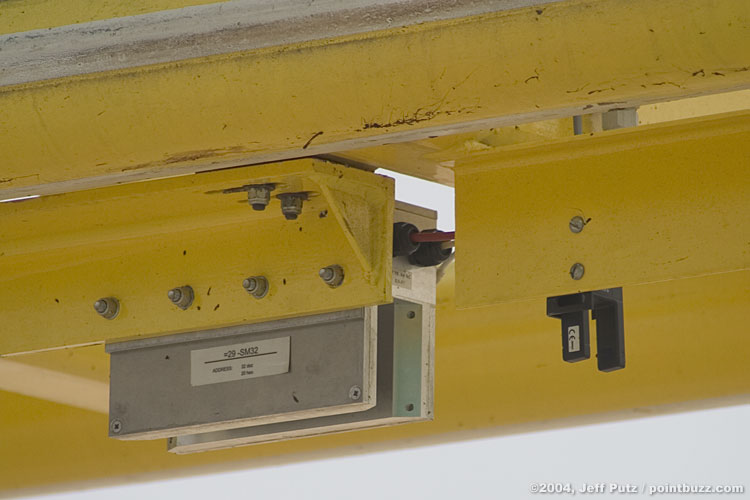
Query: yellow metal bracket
{"x": 59, "y": 254}
{"x": 654, "y": 203}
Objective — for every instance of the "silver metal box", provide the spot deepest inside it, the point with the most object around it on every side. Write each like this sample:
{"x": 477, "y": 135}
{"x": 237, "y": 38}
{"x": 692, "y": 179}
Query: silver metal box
{"x": 246, "y": 375}
{"x": 404, "y": 387}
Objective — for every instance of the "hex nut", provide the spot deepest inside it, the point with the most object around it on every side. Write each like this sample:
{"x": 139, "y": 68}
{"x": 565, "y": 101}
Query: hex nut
{"x": 257, "y": 286}
{"x": 259, "y": 195}
{"x": 332, "y": 275}
{"x": 291, "y": 204}
{"x": 182, "y": 296}
{"x": 107, "y": 307}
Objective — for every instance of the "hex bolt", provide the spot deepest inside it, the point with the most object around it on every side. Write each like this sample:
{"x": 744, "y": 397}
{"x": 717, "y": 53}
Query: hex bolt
{"x": 576, "y": 224}
{"x": 181, "y": 296}
{"x": 107, "y": 307}
{"x": 259, "y": 195}
{"x": 291, "y": 204}
{"x": 115, "y": 426}
{"x": 576, "y": 271}
{"x": 332, "y": 276}
{"x": 355, "y": 392}
{"x": 257, "y": 286}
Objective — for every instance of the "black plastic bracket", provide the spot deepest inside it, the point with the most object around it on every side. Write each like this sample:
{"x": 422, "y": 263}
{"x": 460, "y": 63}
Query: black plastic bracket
{"x": 606, "y": 310}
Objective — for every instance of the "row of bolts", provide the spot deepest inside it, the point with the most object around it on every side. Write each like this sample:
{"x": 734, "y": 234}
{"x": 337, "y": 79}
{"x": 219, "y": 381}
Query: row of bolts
{"x": 182, "y": 296}
{"x": 576, "y": 226}
{"x": 257, "y": 286}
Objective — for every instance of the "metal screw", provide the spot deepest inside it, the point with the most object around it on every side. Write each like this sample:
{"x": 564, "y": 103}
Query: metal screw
{"x": 115, "y": 426}
{"x": 107, "y": 307}
{"x": 355, "y": 392}
{"x": 181, "y": 296}
{"x": 257, "y": 286}
{"x": 576, "y": 271}
{"x": 576, "y": 224}
{"x": 291, "y": 204}
{"x": 411, "y": 315}
{"x": 259, "y": 195}
{"x": 333, "y": 275}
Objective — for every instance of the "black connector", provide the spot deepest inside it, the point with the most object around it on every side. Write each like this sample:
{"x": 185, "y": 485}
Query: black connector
{"x": 402, "y": 243}
{"x": 430, "y": 253}
{"x": 606, "y": 309}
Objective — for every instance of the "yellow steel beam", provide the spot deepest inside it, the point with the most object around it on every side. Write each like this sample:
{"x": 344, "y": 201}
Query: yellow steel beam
{"x": 434, "y": 158}
{"x": 24, "y": 15}
{"x": 659, "y": 202}
{"x": 59, "y": 254}
{"x": 367, "y": 89}
{"x": 498, "y": 370}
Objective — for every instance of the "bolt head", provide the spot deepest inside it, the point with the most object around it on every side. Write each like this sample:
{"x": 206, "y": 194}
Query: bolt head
{"x": 182, "y": 296}
{"x": 576, "y": 224}
{"x": 257, "y": 286}
{"x": 355, "y": 392}
{"x": 326, "y": 273}
{"x": 250, "y": 284}
{"x": 108, "y": 307}
{"x": 411, "y": 315}
{"x": 576, "y": 271}
{"x": 332, "y": 276}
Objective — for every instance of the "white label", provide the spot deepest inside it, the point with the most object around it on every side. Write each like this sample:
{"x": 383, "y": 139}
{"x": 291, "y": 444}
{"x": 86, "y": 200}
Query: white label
{"x": 574, "y": 339}
{"x": 402, "y": 279}
{"x": 239, "y": 361}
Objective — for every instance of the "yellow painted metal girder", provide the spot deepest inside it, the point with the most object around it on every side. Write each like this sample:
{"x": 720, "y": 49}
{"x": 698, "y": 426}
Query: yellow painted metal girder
{"x": 434, "y": 158}
{"x": 659, "y": 202}
{"x": 59, "y": 254}
{"x": 395, "y": 85}
{"x": 498, "y": 370}
{"x": 24, "y": 15}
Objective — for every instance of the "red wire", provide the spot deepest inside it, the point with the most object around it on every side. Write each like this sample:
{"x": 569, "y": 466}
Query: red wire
{"x": 435, "y": 236}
